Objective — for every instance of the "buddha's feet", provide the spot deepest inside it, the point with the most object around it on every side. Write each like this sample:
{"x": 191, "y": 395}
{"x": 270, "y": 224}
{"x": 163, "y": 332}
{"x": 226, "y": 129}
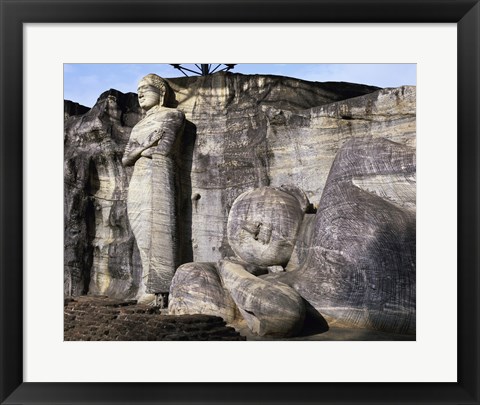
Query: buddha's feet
{"x": 148, "y": 299}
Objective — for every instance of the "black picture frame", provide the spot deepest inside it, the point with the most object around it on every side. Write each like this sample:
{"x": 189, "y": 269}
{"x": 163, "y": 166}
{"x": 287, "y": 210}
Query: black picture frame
{"x": 465, "y": 13}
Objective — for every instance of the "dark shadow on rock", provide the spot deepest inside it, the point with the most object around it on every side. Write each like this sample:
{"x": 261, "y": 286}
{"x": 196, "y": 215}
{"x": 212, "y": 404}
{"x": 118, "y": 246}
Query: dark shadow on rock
{"x": 397, "y": 238}
{"x": 184, "y": 199}
{"x": 92, "y": 186}
{"x": 314, "y": 323}
{"x": 137, "y": 267}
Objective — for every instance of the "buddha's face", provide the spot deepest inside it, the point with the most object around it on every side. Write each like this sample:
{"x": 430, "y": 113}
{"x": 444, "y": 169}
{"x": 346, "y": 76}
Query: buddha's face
{"x": 148, "y": 95}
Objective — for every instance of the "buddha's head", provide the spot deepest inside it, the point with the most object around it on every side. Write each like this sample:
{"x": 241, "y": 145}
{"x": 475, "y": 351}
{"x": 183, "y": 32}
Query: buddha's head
{"x": 153, "y": 91}
{"x": 263, "y": 225}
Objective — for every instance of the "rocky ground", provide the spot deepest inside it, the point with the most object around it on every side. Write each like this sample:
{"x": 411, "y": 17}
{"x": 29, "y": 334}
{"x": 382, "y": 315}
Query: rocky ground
{"x": 102, "y": 318}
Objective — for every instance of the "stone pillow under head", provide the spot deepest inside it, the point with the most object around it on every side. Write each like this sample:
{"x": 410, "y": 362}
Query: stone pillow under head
{"x": 263, "y": 225}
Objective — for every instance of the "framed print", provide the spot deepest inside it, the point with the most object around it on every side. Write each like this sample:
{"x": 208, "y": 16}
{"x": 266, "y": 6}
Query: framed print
{"x": 283, "y": 186}
{"x": 40, "y": 38}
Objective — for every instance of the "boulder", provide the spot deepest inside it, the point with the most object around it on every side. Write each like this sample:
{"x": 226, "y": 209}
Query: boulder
{"x": 197, "y": 289}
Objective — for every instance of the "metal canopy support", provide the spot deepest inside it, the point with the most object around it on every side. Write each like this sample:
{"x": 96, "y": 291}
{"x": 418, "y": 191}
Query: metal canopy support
{"x": 204, "y": 69}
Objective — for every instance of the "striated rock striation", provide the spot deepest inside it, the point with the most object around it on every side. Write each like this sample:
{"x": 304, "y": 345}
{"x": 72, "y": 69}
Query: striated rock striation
{"x": 242, "y": 132}
{"x": 198, "y": 289}
{"x": 100, "y": 254}
{"x": 360, "y": 267}
{"x": 250, "y": 132}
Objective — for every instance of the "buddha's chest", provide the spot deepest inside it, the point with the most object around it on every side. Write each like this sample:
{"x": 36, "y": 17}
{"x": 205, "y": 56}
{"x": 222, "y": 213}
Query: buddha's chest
{"x": 146, "y": 127}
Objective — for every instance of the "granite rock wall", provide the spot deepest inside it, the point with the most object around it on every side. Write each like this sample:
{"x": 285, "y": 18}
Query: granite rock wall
{"x": 242, "y": 132}
{"x": 100, "y": 252}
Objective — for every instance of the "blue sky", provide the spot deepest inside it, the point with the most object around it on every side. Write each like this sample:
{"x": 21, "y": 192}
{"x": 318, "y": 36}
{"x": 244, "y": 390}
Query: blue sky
{"x": 83, "y": 83}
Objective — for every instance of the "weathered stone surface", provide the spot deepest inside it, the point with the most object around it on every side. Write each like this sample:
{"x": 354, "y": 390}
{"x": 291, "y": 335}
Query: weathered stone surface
{"x": 242, "y": 132}
{"x": 263, "y": 225}
{"x": 269, "y": 308}
{"x": 100, "y": 318}
{"x": 100, "y": 254}
{"x": 302, "y": 150}
{"x": 360, "y": 268}
{"x": 253, "y": 131}
{"x": 71, "y": 109}
{"x": 197, "y": 289}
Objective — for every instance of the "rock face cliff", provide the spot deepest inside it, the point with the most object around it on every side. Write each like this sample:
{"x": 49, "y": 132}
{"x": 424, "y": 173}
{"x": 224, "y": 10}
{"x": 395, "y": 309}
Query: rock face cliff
{"x": 100, "y": 253}
{"x": 242, "y": 132}
{"x": 71, "y": 109}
